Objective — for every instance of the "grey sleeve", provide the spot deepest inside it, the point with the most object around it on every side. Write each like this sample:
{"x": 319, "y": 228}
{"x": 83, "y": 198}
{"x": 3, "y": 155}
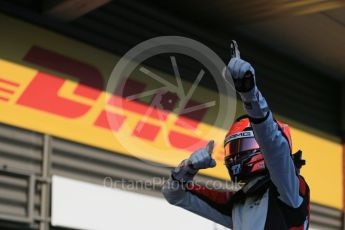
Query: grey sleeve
{"x": 276, "y": 151}
{"x": 177, "y": 195}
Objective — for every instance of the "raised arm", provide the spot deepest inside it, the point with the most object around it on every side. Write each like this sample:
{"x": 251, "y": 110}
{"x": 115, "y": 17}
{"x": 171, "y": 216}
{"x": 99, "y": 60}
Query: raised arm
{"x": 273, "y": 144}
{"x": 180, "y": 191}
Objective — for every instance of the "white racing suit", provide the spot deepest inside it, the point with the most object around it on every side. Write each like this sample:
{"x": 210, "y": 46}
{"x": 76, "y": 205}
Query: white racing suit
{"x": 280, "y": 201}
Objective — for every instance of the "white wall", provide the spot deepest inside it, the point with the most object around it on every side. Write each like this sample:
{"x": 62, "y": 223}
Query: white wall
{"x": 81, "y": 205}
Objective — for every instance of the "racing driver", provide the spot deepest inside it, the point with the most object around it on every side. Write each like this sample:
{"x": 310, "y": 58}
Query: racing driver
{"x": 258, "y": 154}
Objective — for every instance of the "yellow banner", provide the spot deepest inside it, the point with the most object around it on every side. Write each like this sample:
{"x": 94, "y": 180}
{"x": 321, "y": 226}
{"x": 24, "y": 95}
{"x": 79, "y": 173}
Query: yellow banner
{"x": 55, "y": 85}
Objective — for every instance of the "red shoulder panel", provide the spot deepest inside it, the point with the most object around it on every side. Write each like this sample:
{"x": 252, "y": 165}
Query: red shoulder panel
{"x": 219, "y": 197}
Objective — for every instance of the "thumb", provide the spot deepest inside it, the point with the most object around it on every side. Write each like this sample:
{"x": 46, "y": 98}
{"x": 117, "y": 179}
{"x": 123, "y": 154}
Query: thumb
{"x": 210, "y": 146}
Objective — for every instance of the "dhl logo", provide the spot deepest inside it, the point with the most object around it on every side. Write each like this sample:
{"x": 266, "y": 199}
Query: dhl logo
{"x": 52, "y": 95}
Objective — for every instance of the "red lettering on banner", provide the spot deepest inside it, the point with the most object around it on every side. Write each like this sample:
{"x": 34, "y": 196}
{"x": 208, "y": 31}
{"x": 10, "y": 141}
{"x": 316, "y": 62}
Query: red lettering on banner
{"x": 138, "y": 107}
{"x": 8, "y": 91}
{"x": 7, "y": 82}
{"x": 4, "y": 98}
{"x": 186, "y": 142}
{"x": 91, "y": 80}
{"x": 42, "y": 94}
{"x": 191, "y": 120}
{"x": 4, "y": 89}
{"x": 146, "y": 131}
{"x": 116, "y": 120}
{"x": 167, "y": 102}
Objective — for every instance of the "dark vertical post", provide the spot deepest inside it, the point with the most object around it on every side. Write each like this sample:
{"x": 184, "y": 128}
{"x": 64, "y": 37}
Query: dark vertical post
{"x": 45, "y": 191}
